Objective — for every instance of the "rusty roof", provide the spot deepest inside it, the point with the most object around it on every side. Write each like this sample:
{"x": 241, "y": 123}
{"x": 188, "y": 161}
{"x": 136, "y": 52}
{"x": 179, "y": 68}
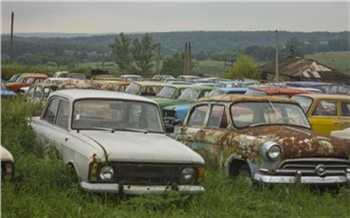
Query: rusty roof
{"x": 236, "y": 98}
{"x": 297, "y": 68}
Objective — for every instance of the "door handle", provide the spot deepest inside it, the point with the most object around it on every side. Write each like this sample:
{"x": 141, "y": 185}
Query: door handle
{"x": 336, "y": 122}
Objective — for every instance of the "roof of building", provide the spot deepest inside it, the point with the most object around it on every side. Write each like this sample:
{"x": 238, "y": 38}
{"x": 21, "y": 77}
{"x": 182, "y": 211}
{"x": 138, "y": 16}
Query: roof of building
{"x": 298, "y": 68}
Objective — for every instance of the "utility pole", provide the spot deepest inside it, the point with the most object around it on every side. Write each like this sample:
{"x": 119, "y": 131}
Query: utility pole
{"x": 185, "y": 72}
{"x": 158, "y": 59}
{"x": 189, "y": 59}
{"x": 277, "y": 56}
{"x": 11, "y": 41}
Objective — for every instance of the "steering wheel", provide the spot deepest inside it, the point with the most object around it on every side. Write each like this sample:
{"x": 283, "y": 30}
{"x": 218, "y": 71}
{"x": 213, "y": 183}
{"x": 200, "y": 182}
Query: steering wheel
{"x": 138, "y": 125}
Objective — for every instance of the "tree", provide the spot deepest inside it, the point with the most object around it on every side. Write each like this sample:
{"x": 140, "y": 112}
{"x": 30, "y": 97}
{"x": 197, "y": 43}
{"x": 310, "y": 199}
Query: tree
{"x": 173, "y": 65}
{"x": 142, "y": 52}
{"x": 121, "y": 52}
{"x": 244, "y": 67}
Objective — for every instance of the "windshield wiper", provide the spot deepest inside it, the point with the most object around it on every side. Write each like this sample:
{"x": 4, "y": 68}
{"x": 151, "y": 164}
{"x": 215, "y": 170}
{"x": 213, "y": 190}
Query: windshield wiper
{"x": 257, "y": 124}
{"x": 133, "y": 130}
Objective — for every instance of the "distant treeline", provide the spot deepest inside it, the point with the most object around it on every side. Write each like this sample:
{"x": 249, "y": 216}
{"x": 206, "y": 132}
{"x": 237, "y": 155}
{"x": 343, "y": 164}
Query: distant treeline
{"x": 68, "y": 49}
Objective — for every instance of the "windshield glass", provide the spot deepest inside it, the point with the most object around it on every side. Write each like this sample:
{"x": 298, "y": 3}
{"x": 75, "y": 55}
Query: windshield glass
{"x": 116, "y": 114}
{"x": 3, "y": 86}
{"x": 167, "y": 92}
{"x": 304, "y": 102}
{"x": 133, "y": 88}
{"x": 216, "y": 92}
{"x": 246, "y": 114}
{"x": 255, "y": 92}
{"x": 190, "y": 94}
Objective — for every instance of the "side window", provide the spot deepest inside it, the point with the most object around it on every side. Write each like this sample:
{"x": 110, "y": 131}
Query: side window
{"x": 51, "y": 111}
{"x": 62, "y": 114}
{"x": 31, "y": 91}
{"x": 197, "y": 116}
{"x": 217, "y": 117}
{"x": 345, "y": 108}
{"x": 325, "y": 108}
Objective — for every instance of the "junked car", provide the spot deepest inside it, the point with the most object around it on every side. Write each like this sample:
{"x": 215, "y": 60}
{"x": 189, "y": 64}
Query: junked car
{"x": 7, "y": 165}
{"x": 264, "y": 138}
{"x": 326, "y": 112}
{"x": 145, "y": 88}
{"x": 116, "y": 143}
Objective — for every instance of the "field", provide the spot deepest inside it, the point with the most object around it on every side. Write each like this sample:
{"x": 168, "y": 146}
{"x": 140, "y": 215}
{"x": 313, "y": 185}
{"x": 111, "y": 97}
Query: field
{"x": 43, "y": 188}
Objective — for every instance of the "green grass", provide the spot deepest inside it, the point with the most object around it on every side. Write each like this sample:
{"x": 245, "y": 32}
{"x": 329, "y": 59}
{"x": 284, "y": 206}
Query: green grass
{"x": 43, "y": 188}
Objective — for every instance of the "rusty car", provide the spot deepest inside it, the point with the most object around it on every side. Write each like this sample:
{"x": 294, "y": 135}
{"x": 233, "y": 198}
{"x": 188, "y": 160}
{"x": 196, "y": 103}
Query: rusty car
{"x": 116, "y": 143}
{"x": 267, "y": 139}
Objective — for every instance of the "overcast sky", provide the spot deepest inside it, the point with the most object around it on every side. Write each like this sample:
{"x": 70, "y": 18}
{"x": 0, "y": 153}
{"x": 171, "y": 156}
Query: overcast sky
{"x": 166, "y": 16}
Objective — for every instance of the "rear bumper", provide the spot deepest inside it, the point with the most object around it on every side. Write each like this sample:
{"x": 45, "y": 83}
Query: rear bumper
{"x": 140, "y": 190}
{"x": 299, "y": 178}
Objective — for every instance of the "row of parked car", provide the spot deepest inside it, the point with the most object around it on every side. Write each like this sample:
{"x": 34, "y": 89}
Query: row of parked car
{"x": 121, "y": 142}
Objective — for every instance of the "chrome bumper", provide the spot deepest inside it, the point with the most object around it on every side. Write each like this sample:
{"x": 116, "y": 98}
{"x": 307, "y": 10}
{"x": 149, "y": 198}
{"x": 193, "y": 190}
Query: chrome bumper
{"x": 140, "y": 190}
{"x": 299, "y": 178}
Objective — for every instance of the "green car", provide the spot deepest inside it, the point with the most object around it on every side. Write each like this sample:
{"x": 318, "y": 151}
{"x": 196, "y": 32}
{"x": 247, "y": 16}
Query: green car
{"x": 180, "y": 94}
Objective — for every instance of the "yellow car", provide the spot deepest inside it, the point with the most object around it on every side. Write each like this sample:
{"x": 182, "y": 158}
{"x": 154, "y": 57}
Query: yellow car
{"x": 325, "y": 112}
{"x": 145, "y": 88}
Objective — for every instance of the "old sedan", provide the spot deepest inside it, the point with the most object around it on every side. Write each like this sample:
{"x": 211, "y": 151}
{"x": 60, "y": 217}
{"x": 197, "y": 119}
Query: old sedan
{"x": 116, "y": 143}
{"x": 268, "y": 139}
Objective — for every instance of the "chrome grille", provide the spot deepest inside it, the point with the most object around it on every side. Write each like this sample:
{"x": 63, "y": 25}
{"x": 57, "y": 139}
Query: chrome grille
{"x": 147, "y": 174}
{"x": 309, "y": 166}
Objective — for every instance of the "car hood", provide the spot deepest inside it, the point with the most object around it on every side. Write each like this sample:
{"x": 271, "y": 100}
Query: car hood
{"x": 301, "y": 142}
{"x": 140, "y": 147}
{"x": 5, "y": 92}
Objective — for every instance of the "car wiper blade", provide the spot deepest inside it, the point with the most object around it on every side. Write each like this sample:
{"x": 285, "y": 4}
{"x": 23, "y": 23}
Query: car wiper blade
{"x": 102, "y": 129}
{"x": 132, "y": 130}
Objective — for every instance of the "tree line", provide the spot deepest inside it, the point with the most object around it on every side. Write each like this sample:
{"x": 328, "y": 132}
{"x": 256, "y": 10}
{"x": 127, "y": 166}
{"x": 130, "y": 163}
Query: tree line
{"x": 136, "y": 53}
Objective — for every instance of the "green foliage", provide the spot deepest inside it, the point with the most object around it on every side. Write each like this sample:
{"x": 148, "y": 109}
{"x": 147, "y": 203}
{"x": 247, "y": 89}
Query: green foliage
{"x": 121, "y": 52}
{"x": 173, "y": 65}
{"x": 244, "y": 67}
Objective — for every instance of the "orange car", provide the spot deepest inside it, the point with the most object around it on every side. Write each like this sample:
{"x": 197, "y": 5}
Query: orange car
{"x": 26, "y": 80}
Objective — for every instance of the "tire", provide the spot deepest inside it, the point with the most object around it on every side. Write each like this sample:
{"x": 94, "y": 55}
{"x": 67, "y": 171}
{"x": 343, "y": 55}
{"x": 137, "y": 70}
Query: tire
{"x": 245, "y": 174}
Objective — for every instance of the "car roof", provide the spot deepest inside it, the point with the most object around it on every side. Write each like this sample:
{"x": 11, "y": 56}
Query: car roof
{"x": 75, "y": 94}
{"x": 326, "y": 96}
{"x": 150, "y": 83}
{"x": 238, "y": 98}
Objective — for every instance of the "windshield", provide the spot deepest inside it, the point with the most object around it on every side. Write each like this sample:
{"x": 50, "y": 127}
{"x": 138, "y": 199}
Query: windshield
{"x": 247, "y": 114}
{"x": 116, "y": 114}
{"x": 190, "y": 94}
{"x": 216, "y": 92}
{"x": 133, "y": 88}
{"x": 3, "y": 86}
{"x": 305, "y": 102}
{"x": 167, "y": 92}
{"x": 255, "y": 92}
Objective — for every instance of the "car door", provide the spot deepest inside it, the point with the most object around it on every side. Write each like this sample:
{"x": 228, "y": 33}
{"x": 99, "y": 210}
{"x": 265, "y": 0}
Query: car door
{"x": 324, "y": 117}
{"x": 194, "y": 122}
{"x": 344, "y": 114}
{"x": 54, "y": 128}
{"x": 209, "y": 139}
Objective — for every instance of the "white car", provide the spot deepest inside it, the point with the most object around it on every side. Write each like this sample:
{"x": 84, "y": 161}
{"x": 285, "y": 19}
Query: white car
{"x": 116, "y": 143}
{"x": 7, "y": 164}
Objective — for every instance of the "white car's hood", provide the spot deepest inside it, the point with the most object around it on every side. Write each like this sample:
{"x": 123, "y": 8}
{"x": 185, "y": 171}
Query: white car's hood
{"x": 5, "y": 154}
{"x": 141, "y": 147}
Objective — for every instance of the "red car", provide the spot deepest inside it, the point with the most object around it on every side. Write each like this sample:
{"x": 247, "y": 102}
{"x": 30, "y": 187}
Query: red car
{"x": 26, "y": 80}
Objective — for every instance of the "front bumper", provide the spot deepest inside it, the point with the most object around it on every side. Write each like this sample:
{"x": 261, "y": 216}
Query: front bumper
{"x": 299, "y": 178}
{"x": 140, "y": 190}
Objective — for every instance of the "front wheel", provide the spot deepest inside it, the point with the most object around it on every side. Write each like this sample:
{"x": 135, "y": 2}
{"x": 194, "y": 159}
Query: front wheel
{"x": 245, "y": 174}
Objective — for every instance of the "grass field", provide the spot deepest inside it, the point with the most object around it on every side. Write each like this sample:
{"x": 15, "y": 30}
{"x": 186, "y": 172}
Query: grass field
{"x": 43, "y": 188}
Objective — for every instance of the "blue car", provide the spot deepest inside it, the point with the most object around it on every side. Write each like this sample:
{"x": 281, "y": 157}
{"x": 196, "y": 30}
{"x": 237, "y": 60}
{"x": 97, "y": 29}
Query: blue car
{"x": 4, "y": 91}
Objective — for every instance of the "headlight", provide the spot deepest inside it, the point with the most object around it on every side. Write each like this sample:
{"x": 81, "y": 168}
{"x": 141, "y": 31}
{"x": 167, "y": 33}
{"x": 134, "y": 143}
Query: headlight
{"x": 273, "y": 150}
{"x": 106, "y": 173}
{"x": 7, "y": 171}
{"x": 188, "y": 176}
